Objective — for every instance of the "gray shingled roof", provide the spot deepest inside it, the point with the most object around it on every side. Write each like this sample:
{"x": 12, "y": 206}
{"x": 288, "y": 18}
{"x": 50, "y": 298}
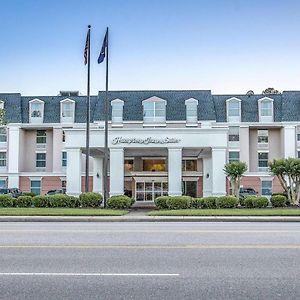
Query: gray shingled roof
{"x": 210, "y": 107}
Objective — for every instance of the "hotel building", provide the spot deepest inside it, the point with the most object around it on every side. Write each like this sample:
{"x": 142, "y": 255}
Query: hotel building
{"x": 160, "y": 142}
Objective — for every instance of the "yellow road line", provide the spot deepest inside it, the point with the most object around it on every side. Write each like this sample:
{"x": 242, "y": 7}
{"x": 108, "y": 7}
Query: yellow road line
{"x": 199, "y": 246}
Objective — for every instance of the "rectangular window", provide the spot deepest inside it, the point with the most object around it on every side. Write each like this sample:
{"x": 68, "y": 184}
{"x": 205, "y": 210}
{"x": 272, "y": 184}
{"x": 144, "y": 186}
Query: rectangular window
{"x": 154, "y": 165}
{"x": 128, "y": 165}
{"x": 40, "y": 160}
{"x": 3, "y": 184}
{"x": 233, "y": 156}
{"x": 64, "y": 159}
{"x": 266, "y": 108}
{"x": 2, "y": 159}
{"x": 41, "y": 136}
{"x": 35, "y": 187}
{"x": 189, "y": 165}
{"x": 64, "y": 185}
{"x": 189, "y": 188}
{"x": 3, "y": 135}
{"x": 262, "y": 136}
{"x": 191, "y": 112}
{"x": 233, "y": 108}
{"x": 63, "y": 136}
{"x": 234, "y": 134}
{"x": 298, "y": 154}
{"x": 117, "y": 112}
{"x": 298, "y": 134}
{"x": 36, "y": 110}
{"x": 266, "y": 187}
{"x": 263, "y": 158}
{"x": 154, "y": 111}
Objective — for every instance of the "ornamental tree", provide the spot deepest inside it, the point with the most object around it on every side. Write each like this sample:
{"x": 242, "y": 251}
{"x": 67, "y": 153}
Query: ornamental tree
{"x": 288, "y": 172}
{"x": 270, "y": 91}
{"x": 235, "y": 170}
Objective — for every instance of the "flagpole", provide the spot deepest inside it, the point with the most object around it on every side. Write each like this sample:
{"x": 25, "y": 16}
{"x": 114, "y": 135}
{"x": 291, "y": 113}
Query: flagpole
{"x": 105, "y": 167}
{"x": 88, "y": 113}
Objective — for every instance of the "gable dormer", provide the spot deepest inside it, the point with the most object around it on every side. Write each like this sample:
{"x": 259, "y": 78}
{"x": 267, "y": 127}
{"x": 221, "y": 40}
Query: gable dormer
{"x": 36, "y": 111}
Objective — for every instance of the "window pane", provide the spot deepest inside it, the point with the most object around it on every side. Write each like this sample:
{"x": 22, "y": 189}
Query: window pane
{"x": 233, "y": 134}
{"x": 41, "y": 136}
{"x": 36, "y": 110}
{"x": 233, "y": 156}
{"x": 233, "y": 108}
{"x": 266, "y": 187}
{"x": 154, "y": 165}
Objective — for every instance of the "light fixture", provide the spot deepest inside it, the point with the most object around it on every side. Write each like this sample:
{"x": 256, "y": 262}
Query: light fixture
{"x": 207, "y": 175}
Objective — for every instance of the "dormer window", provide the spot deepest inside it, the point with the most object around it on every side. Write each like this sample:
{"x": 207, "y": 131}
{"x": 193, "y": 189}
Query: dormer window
{"x": 191, "y": 111}
{"x": 154, "y": 110}
{"x": 265, "y": 110}
{"x": 233, "y": 108}
{"x": 1, "y": 104}
{"x": 117, "y": 111}
{"x": 67, "y": 111}
{"x": 36, "y": 111}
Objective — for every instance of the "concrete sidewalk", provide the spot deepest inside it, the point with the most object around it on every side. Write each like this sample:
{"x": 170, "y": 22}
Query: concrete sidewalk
{"x": 143, "y": 218}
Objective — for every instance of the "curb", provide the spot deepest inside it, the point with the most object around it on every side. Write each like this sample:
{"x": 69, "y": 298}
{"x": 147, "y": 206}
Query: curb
{"x": 147, "y": 219}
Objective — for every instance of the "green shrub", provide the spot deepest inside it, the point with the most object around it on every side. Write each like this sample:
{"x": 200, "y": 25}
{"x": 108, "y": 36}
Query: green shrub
{"x": 208, "y": 202}
{"x": 90, "y": 199}
{"x": 278, "y": 200}
{"x": 62, "y": 200}
{"x": 23, "y": 201}
{"x": 260, "y": 202}
{"x": 227, "y": 202}
{"x": 179, "y": 202}
{"x": 6, "y": 201}
{"x": 28, "y": 194}
{"x": 196, "y": 202}
{"x": 248, "y": 201}
{"x": 119, "y": 202}
{"x": 242, "y": 201}
{"x": 40, "y": 201}
{"x": 256, "y": 202}
{"x": 161, "y": 202}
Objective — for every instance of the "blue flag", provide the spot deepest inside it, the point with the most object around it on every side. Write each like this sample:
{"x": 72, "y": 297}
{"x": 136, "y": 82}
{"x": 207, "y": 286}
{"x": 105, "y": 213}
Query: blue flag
{"x": 103, "y": 48}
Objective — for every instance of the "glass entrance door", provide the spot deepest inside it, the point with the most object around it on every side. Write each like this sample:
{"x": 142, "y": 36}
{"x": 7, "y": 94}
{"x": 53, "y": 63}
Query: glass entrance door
{"x": 149, "y": 190}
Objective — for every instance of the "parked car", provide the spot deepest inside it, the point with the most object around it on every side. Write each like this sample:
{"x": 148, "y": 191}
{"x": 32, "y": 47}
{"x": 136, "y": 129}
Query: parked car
{"x": 244, "y": 192}
{"x": 14, "y": 192}
{"x": 55, "y": 192}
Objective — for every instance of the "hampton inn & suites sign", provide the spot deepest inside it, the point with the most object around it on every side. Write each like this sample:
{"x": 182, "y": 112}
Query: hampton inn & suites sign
{"x": 144, "y": 141}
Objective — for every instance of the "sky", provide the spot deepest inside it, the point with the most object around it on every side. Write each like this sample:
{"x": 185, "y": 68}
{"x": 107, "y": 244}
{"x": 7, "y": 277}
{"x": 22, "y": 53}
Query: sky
{"x": 226, "y": 46}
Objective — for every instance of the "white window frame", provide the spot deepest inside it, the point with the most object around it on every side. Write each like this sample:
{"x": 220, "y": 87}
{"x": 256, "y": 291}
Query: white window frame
{"x": 38, "y": 168}
{"x": 191, "y": 109}
{"x": 262, "y": 117}
{"x": 36, "y": 117}
{"x": 1, "y": 104}
{"x": 234, "y": 118}
{"x": 269, "y": 180}
{"x": 262, "y": 133}
{"x": 233, "y": 151}
{"x": 4, "y": 160}
{"x": 40, "y": 187}
{"x": 67, "y": 119}
{"x": 157, "y": 120}
{"x": 64, "y": 159}
{"x": 233, "y": 144}
{"x": 3, "y": 134}
{"x": 262, "y": 169}
{"x": 117, "y": 112}
{"x": 42, "y": 137}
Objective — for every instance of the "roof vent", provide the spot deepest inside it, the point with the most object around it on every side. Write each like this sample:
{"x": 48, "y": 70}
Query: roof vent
{"x": 68, "y": 93}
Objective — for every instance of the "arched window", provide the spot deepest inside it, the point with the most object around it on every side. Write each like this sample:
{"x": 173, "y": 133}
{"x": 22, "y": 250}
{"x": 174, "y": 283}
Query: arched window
{"x": 67, "y": 111}
{"x": 233, "y": 109}
{"x": 154, "y": 110}
{"x": 117, "y": 111}
{"x": 191, "y": 111}
{"x": 36, "y": 111}
{"x": 265, "y": 110}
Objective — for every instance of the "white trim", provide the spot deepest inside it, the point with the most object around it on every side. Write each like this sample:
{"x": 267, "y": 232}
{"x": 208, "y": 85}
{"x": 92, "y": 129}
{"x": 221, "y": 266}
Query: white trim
{"x": 67, "y": 120}
{"x": 2, "y": 104}
{"x": 233, "y": 119}
{"x": 40, "y": 119}
{"x": 267, "y": 119}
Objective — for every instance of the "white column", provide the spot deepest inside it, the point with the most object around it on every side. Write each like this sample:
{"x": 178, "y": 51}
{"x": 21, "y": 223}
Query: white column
{"x": 73, "y": 172}
{"x": 175, "y": 171}
{"x": 289, "y": 141}
{"x": 218, "y": 175}
{"x": 244, "y": 145}
{"x": 98, "y": 174}
{"x": 57, "y": 150}
{"x": 13, "y": 156}
{"x": 116, "y": 178}
{"x": 207, "y": 176}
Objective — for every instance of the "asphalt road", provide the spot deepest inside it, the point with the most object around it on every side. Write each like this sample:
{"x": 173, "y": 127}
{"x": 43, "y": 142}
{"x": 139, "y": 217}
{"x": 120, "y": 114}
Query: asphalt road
{"x": 150, "y": 261}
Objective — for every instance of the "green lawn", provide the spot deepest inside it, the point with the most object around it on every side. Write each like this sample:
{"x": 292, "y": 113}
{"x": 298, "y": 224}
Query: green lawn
{"x": 227, "y": 212}
{"x": 60, "y": 212}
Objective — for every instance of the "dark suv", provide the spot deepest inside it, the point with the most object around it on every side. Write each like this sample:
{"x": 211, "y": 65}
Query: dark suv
{"x": 244, "y": 192}
{"x": 14, "y": 192}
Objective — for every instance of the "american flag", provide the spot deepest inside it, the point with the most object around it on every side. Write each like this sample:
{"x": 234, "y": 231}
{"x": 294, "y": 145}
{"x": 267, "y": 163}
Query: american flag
{"x": 86, "y": 48}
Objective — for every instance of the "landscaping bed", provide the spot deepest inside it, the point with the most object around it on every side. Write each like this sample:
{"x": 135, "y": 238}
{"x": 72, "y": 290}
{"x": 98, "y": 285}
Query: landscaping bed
{"x": 228, "y": 212}
{"x": 44, "y": 211}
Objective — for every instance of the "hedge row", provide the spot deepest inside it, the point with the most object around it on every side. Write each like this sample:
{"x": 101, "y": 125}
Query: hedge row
{"x": 183, "y": 202}
{"x": 60, "y": 200}
{"x": 120, "y": 202}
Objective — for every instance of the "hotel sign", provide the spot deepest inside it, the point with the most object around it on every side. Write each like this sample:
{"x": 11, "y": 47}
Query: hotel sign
{"x": 144, "y": 141}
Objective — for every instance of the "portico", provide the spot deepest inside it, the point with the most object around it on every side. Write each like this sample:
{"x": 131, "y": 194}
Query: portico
{"x": 148, "y": 162}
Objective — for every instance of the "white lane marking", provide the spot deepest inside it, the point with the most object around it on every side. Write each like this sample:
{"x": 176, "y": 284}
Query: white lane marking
{"x": 92, "y": 274}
